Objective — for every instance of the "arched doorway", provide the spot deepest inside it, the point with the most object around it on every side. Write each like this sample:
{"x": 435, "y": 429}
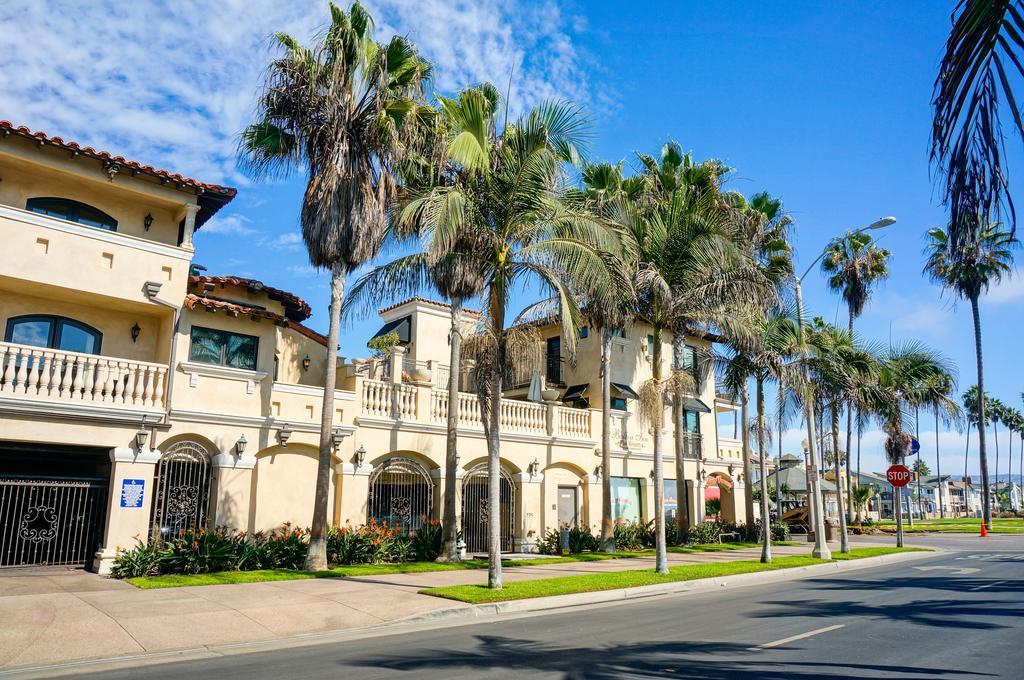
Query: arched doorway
{"x": 182, "y": 485}
{"x": 718, "y": 498}
{"x": 476, "y": 509}
{"x": 401, "y": 494}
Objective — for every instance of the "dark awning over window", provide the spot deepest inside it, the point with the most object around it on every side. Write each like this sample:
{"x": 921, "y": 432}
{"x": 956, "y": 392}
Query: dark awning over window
{"x": 625, "y": 391}
{"x": 575, "y": 392}
{"x": 402, "y": 326}
{"x": 696, "y": 405}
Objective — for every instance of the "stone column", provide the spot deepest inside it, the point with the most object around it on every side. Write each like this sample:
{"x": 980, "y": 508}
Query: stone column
{"x": 232, "y": 489}
{"x": 354, "y": 487}
{"x": 437, "y": 505}
{"x": 592, "y": 507}
{"x": 130, "y": 503}
{"x": 529, "y": 512}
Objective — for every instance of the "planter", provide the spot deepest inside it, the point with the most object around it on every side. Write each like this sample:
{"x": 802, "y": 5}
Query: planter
{"x": 550, "y": 395}
{"x": 421, "y": 375}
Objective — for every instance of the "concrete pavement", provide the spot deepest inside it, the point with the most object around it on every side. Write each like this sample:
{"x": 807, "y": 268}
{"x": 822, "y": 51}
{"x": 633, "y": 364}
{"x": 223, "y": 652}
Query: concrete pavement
{"x": 954, "y": 614}
{"x": 53, "y": 616}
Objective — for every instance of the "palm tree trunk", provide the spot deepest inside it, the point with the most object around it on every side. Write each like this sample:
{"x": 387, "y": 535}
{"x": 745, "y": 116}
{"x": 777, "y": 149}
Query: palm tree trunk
{"x": 844, "y": 540}
{"x": 607, "y": 526}
{"x": 967, "y": 449}
{"x": 995, "y": 436}
{"x": 660, "y": 552}
{"x": 316, "y": 557}
{"x": 982, "y": 453}
{"x": 679, "y": 426}
{"x": 766, "y": 518}
{"x": 938, "y": 465}
{"x": 849, "y": 434}
{"x": 748, "y": 488}
{"x": 780, "y": 398}
{"x": 494, "y": 475}
{"x": 450, "y": 520}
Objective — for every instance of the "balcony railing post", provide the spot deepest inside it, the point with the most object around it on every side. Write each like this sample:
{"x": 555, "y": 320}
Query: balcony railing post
{"x": 549, "y": 419}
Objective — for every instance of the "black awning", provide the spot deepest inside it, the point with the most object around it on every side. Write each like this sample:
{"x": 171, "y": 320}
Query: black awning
{"x": 625, "y": 391}
{"x": 402, "y": 327}
{"x": 696, "y": 405}
{"x": 575, "y": 392}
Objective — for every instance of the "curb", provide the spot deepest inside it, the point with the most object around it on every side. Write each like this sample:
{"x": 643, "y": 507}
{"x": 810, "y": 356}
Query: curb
{"x": 458, "y": 615}
{"x": 599, "y": 597}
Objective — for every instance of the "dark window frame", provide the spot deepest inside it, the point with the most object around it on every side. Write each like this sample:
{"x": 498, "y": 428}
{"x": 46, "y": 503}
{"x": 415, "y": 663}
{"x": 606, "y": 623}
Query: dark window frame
{"x": 223, "y": 342}
{"x": 57, "y": 324}
{"x": 74, "y": 211}
{"x": 618, "y": 404}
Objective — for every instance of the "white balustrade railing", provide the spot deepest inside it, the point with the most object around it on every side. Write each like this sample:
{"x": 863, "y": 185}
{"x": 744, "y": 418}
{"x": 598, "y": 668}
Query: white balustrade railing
{"x": 377, "y": 398}
{"x": 523, "y": 416}
{"x": 56, "y": 375}
{"x": 406, "y": 402}
{"x": 573, "y": 422}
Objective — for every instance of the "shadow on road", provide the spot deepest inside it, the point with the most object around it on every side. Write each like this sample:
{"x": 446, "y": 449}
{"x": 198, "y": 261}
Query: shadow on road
{"x": 690, "y": 659}
{"x": 936, "y": 613}
{"x": 953, "y": 584}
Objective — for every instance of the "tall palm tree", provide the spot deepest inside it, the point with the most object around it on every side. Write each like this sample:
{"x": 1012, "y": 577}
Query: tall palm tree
{"x": 982, "y": 63}
{"x": 503, "y": 184}
{"x": 854, "y": 264}
{"x": 997, "y": 414}
{"x": 980, "y": 257}
{"x": 346, "y": 112}
{"x": 936, "y": 391}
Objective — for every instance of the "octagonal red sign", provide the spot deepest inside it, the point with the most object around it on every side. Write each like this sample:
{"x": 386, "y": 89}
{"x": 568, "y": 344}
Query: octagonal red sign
{"x": 898, "y": 475}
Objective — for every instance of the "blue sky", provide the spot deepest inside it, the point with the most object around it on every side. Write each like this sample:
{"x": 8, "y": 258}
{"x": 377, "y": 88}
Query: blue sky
{"x": 823, "y": 104}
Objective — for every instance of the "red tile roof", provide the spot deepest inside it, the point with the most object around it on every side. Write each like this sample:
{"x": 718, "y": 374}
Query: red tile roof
{"x": 297, "y": 309}
{"x": 212, "y": 196}
{"x": 424, "y": 300}
{"x": 191, "y": 300}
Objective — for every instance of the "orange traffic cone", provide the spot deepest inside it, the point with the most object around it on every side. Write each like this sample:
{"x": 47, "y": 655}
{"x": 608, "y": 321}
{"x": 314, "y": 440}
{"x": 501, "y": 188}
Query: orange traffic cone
{"x": 984, "y": 530}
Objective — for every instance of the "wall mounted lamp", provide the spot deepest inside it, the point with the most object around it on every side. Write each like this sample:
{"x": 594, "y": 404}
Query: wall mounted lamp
{"x": 284, "y": 434}
{"x": 136, "y": 331}
{"x": 241, "y": 444}
{"x": 360, "y": 456}
{"x": 140, "y": 438}
{"x": 306, "y": 361}
{"x": 147, "y": 222}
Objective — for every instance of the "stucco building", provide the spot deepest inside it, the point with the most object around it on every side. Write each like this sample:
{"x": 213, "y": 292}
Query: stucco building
{"x": 138, "y": 397}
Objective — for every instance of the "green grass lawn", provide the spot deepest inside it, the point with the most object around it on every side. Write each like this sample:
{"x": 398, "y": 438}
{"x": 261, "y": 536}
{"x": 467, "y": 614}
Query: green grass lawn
{"x": 567, "y": 585}
{"x": 959, "y": 525}
{"x": 224, "y": 577}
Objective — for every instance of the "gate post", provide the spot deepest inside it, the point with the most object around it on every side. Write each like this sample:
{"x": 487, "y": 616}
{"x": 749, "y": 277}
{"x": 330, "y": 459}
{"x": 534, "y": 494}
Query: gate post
{"x": 530, "y": 509}
{"x": 127, "y": 514}
{"x": 232, "y": 486}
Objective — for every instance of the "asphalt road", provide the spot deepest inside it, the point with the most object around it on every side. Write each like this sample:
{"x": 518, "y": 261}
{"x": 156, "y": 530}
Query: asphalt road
{"x": 955, "y": 615}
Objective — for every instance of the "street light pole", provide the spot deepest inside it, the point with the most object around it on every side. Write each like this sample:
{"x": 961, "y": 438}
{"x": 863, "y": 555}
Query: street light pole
{"x": 821, "y": 549}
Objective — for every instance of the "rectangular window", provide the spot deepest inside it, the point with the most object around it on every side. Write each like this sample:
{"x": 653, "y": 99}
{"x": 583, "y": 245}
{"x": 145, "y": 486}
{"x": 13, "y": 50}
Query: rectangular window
{"x": 211, "y": 346}
{"x": 584, "y": 332}
{"x": 626, "y": 495}
{"x": 618, "y": 404}
{"x": 650, "y": 346}
{"x": 671, "y": 500}
{"x": 554, "y": 360}
{"x": 690, "y": 360}
{"x": 692, "y": 419}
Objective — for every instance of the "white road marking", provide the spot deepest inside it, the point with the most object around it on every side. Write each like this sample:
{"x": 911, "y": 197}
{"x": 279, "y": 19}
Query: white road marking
{"x": 955, "y": 570}
{"x": 987, "y": 585}
{"x": 801, "y": 636}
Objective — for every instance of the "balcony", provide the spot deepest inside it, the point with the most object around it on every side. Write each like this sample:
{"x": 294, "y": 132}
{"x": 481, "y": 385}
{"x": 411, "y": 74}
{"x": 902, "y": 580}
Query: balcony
{"x": 57, "y": 253}
{"x": 34, "y": 379}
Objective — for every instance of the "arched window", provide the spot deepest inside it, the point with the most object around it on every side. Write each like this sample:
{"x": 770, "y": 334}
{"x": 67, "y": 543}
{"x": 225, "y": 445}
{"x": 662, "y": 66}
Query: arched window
{"x": 72, "y": 211}
{"x": 53, "y": 332}
{"x": 182, "y": 481}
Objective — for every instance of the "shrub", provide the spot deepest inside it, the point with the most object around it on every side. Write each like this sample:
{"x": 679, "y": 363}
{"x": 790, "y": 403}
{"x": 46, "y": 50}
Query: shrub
{"x": 549, "y": 544}
{"x": 867, "y": 521}
{"x": 426, "y": 542}
{"x": 200, "y": 551}
{"x": 780, "y": 531}
{"x": 629, "y": 536}
{"x": 142, "y": 560}
{"x": 282, "y": 548}
{"x": 706, "y": 532}
{"x": 582, "y": 540}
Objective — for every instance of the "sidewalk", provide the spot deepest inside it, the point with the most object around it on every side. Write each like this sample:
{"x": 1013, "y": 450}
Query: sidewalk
{"x": 53, "y": 616}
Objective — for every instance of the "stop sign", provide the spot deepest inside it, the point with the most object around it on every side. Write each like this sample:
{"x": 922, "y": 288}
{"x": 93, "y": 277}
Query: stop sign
{"x": 898, "y": 475}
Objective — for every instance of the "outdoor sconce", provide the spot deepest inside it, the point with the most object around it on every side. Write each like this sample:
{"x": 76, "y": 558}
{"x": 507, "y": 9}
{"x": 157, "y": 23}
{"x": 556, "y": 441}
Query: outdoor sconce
{"x": 336, "y": 439}
{"x": 360, "y": 456}
{"x": 306, "y": 362}
{"x": 241, "y": 444}
{"x": 598, "y": 471}
{"x": 136, "y": 330}
{"x": 140, "y": 438}
{"x": 534, "y": 467}
{"x": 284, "y": 434}
{"x": 148, "y": 221}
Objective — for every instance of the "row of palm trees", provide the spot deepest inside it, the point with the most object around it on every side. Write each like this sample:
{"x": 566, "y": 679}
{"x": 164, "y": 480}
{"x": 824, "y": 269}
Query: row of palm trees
{"x": 491, "y": 203}
{"x": 997, "y": 413}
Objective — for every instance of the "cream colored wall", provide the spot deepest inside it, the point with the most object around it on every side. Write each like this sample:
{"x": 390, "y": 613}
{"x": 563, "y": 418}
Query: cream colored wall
{"x": 28, "y": 172}
{"x": 115, "y": 325}
{"x": 292, "y": 348}
{"x": 283, "y": 483}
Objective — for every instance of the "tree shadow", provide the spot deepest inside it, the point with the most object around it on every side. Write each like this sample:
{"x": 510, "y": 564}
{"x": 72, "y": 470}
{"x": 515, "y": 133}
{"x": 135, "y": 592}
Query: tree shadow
{"x": 954, "y": 584}
{"x": 952, "y": 613}
{"x": 683, "y": 659}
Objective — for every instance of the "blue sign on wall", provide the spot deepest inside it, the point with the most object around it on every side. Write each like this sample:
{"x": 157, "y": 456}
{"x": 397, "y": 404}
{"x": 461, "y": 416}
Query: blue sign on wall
{"x": 132, "y": 492}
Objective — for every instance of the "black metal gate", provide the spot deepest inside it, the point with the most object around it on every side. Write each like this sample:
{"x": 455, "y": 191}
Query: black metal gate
{"x": 401, "y": 494}
{"x": 54, "y": 522}
{"x": 182, "y": 490}
{"x": 476, "y": 509}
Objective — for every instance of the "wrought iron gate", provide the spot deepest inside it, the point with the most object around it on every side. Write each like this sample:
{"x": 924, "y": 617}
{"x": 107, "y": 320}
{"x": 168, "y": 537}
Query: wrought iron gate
{"x": 476, "y": 509}
{"x": 401, "y": 494}
{"x": 182, "y": 490}
{"x": 50, "y": 521}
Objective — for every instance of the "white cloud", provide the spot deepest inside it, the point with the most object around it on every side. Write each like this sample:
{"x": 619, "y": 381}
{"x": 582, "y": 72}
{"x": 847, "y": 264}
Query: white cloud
{"x": 304, "y": 271}
{"x": 1010, "y": 291}
{"x": 229, "y": 225}
{"x": 172, "y": 85}
{"x": 291, "y": 241}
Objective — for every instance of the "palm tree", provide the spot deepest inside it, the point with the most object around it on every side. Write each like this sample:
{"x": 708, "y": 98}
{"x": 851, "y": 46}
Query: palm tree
{"x": 347, "y": 112}
{"x": 936, "y": 392}
{"x": 692, "y": 272}
{"x": 502, "y": 184}
{"x": 860, "y": 496}
{"x": 854, "y": 264}
{"x": 967, "y": 266}
{"x": 984, "y": 58}
{"x": 997, "y": 414}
